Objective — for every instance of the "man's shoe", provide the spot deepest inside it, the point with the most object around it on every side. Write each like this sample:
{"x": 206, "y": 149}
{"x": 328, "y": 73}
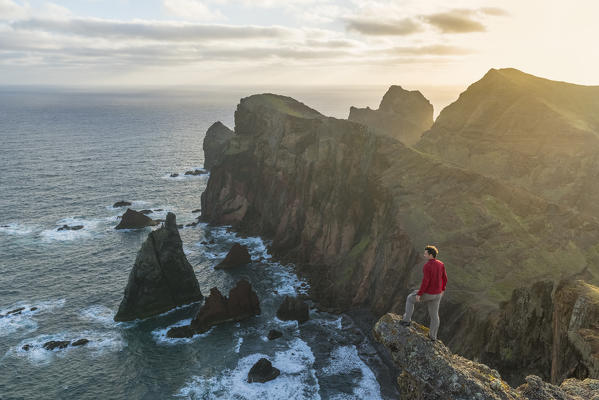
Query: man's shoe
{"x": 404, "y": 323}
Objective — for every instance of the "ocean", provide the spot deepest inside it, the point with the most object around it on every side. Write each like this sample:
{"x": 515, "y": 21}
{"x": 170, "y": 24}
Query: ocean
{"x": 66, "y": 157}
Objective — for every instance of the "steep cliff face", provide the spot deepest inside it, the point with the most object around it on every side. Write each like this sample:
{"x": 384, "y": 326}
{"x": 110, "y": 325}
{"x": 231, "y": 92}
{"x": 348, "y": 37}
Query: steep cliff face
{"x": 538, "y": 134}
{"x": 354, "y": 209}
{"x": 214, "y": 144}
{"x": 403, "y": 115}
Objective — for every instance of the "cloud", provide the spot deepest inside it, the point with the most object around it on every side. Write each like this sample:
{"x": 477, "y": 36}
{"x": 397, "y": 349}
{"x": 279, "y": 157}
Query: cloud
{"x": 149, "y": 30}
{"x": 10, "y": 10}
{"x": 369, "y": 26}
{"x": 455, "y": 21}
{"x": 435, "y": 50}
{"x": 494, "y": 11}
{"x": 194, "y": 10}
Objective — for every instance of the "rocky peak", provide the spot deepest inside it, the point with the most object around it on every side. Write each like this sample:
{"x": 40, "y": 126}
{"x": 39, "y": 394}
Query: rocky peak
{"x": 161, "y": 277}
{"x": 402, "y": 114}
{"x": 217, "y": 136}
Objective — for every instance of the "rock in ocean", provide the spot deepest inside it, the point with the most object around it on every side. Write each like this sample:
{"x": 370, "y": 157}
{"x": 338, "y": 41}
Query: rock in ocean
{"x": 132, "y": 219}
{"x": 237, "y": 256}
{"x": 293, "y": 308}
{"x": 262, "y": 371}
{"x": 161, "y": 278}
{"x": 242, "y": 303}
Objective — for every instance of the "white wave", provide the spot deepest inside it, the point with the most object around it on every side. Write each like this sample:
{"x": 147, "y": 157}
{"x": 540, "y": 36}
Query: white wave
{"x": 238, "y": 345}
{"x": 345, "y": 359}
{"x": 183, "y": 177}
{"x": 90, "y": 227}
{"x": 161, "y": 338}
{"x": 99, "y": 314}
{"x": 289, "y": 284}
{"x": 16, "y": 229}
{"x": 99, "y": 343}
{"x": 297, "y": 380}
{"x": 23, "y": 321}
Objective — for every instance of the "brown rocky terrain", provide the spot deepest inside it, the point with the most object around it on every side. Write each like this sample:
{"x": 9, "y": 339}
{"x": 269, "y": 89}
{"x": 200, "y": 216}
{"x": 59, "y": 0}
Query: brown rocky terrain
{"x": 354, "y": 209}
{"x": 403, "y": 115}
{"x": 430, "y": 371}
{"x": 537, "y": 134}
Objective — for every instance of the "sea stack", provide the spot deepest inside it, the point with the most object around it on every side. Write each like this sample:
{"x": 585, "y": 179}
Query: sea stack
{"x": 242, "y": 303}
{"x": 161, "y": 278}
{"x": 403, "y": 115}
{"x": 215, "y": 142}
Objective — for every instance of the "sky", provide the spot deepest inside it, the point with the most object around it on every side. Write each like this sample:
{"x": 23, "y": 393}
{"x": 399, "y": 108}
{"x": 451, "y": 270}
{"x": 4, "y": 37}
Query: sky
{"x": 413, "y": 43}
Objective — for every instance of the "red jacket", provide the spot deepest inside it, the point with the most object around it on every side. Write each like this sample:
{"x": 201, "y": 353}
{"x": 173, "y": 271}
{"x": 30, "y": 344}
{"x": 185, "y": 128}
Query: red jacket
{"x": 434, "y": 278}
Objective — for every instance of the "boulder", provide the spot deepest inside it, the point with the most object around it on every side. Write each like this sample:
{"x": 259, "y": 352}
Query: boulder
{"x": 121, "y": 204}
{"x": 146, "y": 212}
{"x": 242, "y": 303}
{"x": 56, "y": 344}
{"x": 161, "y": 277}
{"x": 174, "y": 175}
{"x": 80, "y": 342}
{"x": 195, "y": 172}
{"x": 70, "y": 228}
{"x": 262, "y": 371}
{"x": 293, "y": 308}
{"x": 274, "y": 334}
{"x": 158, "y": 209}
{"x": 197, "y": 210}
{"x": 132, "y": 219}
{"x": 215, "y": 143}
{"x": 237, "y": 256}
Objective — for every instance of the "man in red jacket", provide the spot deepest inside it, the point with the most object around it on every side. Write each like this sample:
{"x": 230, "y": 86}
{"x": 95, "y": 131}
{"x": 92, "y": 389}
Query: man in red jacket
{"x": 431, "y": 290}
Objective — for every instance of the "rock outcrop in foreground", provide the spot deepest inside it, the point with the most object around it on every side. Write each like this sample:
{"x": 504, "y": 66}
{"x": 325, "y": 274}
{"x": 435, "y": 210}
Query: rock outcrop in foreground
{"x": 161, "y": 278}
{"x": 237, "y": 256}
{"x": 242, "y": 303}
{"x": 430, "y": 371}
{"x": 215, "y": 141}
{"x": 403, "y": 115}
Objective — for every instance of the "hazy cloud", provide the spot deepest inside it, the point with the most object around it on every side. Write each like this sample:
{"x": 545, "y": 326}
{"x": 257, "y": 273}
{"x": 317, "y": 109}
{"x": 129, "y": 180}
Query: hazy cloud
{"x": 369, "y": 26}
{"x": 455, "y": 21}
{"x": 151, "y": 30}
{"x": 494, "y": 11}
{"x": 431, "y": 50}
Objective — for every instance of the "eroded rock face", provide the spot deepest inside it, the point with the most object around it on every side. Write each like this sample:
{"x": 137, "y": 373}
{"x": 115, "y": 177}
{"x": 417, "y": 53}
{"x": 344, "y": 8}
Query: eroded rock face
{"x": 431, "y": 371}
{"x": 236, "y": 257}
{"x": 215, "y": 141}
{"x": 242, "y": 303}
{"x": 161, "y": 277}
{"x": 132, "y": 219}
{"x": 403, "y": 115}
{"x": 293, "y": 308}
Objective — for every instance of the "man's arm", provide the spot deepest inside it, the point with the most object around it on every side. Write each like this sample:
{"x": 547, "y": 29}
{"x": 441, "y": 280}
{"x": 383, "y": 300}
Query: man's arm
{"x": 425, "y": 281}
{"x": 444, "y": 278}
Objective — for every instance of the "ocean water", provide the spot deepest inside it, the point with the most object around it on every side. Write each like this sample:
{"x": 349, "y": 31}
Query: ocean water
{"x": 65, "y": 158}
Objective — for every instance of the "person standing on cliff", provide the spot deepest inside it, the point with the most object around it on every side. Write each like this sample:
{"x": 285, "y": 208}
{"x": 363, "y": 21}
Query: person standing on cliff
{"x": 431, "y": 290}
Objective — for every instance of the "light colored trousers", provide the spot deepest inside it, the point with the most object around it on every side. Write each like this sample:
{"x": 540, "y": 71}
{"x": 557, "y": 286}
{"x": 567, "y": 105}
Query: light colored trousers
{"x": 432, "y": 302}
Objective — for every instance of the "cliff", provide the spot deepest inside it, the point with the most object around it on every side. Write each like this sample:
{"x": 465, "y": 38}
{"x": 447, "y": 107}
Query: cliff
{"x": 214, "y": 143}
{"x": 403, "y": 115}
{"x": 537, "y": 134}
{"x": 430, "y": 371}
{"x": 354, "y": 209}
{"x": 161, "y": 278}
